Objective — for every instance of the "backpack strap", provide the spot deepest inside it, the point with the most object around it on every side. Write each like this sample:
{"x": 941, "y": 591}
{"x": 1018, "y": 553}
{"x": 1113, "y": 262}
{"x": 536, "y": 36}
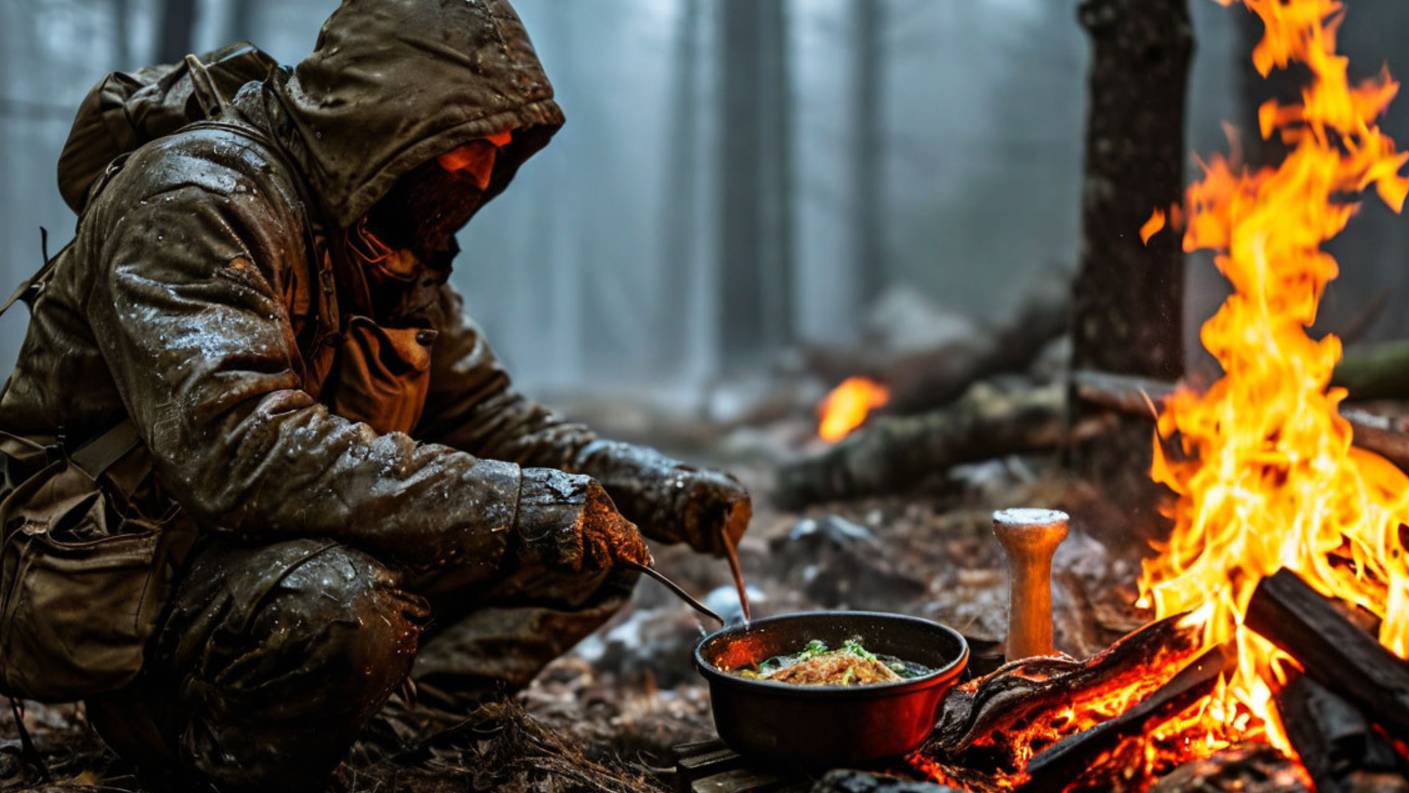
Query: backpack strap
{"x": 30, "y": 287}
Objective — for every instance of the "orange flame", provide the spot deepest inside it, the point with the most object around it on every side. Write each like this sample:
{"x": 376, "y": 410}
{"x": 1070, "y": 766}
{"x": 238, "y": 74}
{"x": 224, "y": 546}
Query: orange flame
{"x": 1152, "y": 226}
{"x": 1261, "y": 463}
{"x": 847, "y": 406}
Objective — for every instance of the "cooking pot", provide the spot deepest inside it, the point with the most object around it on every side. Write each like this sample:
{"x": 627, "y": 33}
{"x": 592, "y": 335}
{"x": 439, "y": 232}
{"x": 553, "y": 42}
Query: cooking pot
{"x": 814, "y": 727}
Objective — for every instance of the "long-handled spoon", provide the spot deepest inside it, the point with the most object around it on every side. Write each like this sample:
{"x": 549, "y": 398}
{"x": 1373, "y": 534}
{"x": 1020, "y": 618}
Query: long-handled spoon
{"x": 676, "y": 588}
{"x": 738, "y": 571}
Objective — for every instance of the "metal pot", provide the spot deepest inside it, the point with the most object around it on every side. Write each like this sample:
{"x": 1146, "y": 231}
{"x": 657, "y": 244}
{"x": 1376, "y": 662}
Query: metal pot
{"x": 812, "y": 727}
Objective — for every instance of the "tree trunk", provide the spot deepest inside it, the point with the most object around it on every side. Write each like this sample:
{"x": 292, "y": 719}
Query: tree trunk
{"x": 243, "y": 19}
{"x": 122, "y": 32}
{"x": 178, "y": 20}
{"x": 868, "y": 140}
{"x": 755, "y": 148}
{"x": 679, "y": 221}
{"x": 1128, "y": 298}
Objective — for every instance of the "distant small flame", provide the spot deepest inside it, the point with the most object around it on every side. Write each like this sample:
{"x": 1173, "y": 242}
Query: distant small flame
{"x": 1152, "y": 226}
{"x": 847, "y": 406}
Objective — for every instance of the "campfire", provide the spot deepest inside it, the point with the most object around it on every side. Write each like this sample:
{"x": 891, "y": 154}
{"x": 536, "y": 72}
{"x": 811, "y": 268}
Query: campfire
{"x": 1276, "y": 516}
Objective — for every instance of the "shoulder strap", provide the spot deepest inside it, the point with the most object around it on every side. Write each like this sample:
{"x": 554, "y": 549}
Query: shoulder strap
{"x": 29, "y": 287}
{"x": 98, "y": 455}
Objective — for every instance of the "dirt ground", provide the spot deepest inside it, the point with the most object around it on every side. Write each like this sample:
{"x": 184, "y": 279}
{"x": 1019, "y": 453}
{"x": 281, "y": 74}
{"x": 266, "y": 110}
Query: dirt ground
{"x": 605, "y": 716}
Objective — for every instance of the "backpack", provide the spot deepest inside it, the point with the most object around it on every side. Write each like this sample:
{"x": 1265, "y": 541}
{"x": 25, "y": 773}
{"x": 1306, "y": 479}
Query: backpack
{"x": 84, "y": 577}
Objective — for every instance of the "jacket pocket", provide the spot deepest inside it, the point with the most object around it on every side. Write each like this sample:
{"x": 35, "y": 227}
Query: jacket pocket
{"x": 81, "y": 588}
{"x": 383, "y": 375}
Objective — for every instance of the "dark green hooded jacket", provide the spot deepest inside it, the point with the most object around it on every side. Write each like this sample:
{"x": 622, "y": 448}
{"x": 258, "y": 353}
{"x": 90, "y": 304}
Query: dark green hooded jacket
{"x": 206, "y": 300}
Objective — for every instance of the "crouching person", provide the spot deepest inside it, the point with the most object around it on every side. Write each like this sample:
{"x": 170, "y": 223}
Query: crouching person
{"x": 254, "y": 455}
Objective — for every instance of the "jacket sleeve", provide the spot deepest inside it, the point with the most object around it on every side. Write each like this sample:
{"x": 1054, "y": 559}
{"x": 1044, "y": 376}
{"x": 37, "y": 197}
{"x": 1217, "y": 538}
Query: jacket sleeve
{"x": 185, "y": 304}
{"x": 473, "y": 405}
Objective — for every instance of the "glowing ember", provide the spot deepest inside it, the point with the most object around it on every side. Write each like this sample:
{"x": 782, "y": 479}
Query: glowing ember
{"x": 847, "y": 406}
{"x": 1262, "y": 462}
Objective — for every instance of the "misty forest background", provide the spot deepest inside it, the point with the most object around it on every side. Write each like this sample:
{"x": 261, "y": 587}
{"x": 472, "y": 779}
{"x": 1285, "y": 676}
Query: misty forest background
{"x": 736, "y": 176}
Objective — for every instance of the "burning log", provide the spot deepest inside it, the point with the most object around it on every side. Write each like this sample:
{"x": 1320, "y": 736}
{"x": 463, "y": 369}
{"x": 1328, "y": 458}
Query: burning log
{"x": 894, "y": 453}
{"x": 1246, "y": 768}
{"x": 1000, "y": 720}
{"x": 1054, "y": 768}
{"x": 1338, "y": 746}
{"x": 1387, "y": 437}
{"x": 921, "y": 380}
{"x": 1333, "y": 651}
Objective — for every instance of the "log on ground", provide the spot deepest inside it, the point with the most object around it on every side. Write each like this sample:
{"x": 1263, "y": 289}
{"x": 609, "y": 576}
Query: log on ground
{"x": 894, "y": 453}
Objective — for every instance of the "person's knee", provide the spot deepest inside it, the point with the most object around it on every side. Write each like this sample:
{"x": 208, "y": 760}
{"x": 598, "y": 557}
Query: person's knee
{"x": 340, "y": 621}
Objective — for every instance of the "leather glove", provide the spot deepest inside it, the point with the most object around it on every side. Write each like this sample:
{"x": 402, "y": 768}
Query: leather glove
{"x": 672, "y": 501}
{"x": 569, "y": 522}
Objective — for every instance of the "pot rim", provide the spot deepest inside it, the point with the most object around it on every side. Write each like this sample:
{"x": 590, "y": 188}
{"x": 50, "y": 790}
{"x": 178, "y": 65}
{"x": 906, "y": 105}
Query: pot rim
{"x": 936, "y": 677}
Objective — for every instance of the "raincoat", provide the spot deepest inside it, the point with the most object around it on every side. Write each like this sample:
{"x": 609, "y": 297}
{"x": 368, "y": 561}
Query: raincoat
{"x": 242, "y": 469}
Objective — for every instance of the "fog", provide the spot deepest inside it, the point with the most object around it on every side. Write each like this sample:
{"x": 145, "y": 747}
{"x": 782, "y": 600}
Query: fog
{"x": 637, "y": 251}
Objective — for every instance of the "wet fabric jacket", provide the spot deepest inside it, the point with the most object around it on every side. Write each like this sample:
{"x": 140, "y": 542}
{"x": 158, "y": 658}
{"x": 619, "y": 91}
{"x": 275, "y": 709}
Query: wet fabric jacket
{"x": 208, "y": 296}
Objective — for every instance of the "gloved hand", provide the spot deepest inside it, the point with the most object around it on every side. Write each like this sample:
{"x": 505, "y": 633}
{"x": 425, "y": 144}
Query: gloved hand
{"x": 672, "y": 501}
{"x": 569, "y": 522}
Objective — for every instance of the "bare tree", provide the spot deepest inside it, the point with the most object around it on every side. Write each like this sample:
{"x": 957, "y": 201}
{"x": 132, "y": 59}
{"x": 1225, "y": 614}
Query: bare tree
{"x": 868, "y": 142}
{"x": 755, "y": 196}
{"x": 177, "y": 22}
{"x": 678, "y": 221}
{"x": 243, "y": 20}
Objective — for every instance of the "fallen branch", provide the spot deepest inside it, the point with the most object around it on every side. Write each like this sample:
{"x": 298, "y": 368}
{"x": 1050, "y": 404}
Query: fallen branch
{"x": 1385, "y": 436}
{"x": 894, "y": 453}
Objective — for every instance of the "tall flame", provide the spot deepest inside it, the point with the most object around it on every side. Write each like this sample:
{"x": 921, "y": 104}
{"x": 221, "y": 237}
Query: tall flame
{"x": 1261, "y": 463}
{"x": 848, "y": 405}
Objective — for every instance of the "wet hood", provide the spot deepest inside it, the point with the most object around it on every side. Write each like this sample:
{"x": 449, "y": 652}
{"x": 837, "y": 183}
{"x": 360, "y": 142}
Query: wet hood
{"x": 395, "y": 83}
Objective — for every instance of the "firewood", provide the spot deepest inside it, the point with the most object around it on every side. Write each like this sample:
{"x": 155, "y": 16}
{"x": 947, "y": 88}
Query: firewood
{"x": 850, "y": 781}
{"x": 894, "y": 453}
{"x": 994, "y": 720}
{"x": 1245, "y": 768}
{"x": 1336, "y": 743}
{"x": 1057, "y": 766}
{"x": 1333, "y": 651}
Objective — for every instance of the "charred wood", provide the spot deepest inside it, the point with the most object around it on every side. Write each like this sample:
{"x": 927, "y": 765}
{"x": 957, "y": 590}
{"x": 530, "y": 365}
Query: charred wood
{"x": 1334, "y": 652}
{"x": 896, "y": 452}
{"x": 1338, "y": 746}
{"x": 1026, "y": 705}
{"x": 1247, "y": 768}
{"x": 1056, "y": 767}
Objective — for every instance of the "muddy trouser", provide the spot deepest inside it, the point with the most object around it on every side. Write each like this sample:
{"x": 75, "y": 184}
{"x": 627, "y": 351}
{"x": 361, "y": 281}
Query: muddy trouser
{"x": 273, "y": 658}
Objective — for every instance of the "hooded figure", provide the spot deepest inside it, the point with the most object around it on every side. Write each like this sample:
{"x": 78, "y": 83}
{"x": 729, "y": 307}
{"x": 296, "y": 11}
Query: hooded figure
{"x": 252, "y": 450}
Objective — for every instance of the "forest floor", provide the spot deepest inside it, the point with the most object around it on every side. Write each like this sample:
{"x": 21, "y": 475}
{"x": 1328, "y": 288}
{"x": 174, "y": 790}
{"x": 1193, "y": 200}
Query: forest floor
{"x": 605, "y": 716}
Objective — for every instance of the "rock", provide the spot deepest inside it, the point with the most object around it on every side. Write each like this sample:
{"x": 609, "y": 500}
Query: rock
{"x": 837, "y": 563}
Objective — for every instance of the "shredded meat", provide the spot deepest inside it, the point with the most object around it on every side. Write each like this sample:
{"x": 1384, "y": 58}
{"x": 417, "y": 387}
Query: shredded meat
{"x": 830, "y": 669}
